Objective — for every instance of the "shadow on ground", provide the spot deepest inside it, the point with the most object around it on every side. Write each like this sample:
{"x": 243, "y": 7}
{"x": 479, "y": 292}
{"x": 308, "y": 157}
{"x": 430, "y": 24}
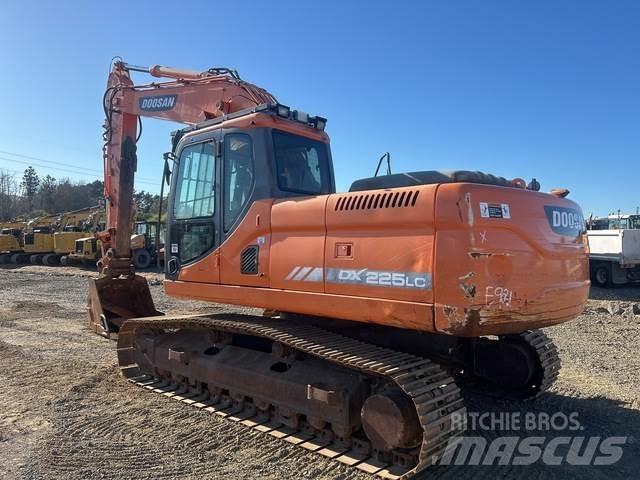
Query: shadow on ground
{"x": 597, "y": 417}
{"x": 629, "y": 293}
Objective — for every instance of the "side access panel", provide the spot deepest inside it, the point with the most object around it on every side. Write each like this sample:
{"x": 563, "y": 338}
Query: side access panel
{"x": 380, "y": 245}
{"x": 297, "y": 243}
{"x": 9, "y": 243}
{"x": 605, "y": 245}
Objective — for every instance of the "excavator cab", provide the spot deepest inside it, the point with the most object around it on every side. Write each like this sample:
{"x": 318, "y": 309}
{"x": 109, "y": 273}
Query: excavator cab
{"x": 222, "y": 169}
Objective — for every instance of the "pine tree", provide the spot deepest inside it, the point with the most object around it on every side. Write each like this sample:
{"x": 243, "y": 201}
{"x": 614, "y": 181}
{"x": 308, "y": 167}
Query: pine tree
{"x": 30, "y": 183}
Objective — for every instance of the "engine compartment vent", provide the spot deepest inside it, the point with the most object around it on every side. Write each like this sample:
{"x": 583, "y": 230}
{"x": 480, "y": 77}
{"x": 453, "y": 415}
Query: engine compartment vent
{"x": 249, "y": 260}
{"x": 371, "y": 201}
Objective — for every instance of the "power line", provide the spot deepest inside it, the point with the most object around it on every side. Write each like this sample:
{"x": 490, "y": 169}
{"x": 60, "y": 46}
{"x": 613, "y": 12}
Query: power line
{"x": 148, "y": 182}
{"x": 40, "y": 159}
{"x": 48, "y": 161}
{"x": 49, "y": 167}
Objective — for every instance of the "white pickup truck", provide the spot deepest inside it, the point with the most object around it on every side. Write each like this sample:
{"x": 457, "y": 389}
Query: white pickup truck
{"x": 614, "y": 257}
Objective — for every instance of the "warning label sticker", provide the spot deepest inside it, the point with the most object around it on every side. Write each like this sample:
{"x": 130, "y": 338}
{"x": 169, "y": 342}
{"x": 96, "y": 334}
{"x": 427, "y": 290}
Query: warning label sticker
{"x": 494, "y": 210}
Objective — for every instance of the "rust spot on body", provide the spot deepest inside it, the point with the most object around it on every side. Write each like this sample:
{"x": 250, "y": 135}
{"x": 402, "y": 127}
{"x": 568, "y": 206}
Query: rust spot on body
{"x": 469, "y": 290}
{"x": 451, "y": 312}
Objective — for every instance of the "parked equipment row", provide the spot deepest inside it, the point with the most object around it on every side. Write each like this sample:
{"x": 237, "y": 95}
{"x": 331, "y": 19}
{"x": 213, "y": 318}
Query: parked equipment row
{"x": 69, "y": 239}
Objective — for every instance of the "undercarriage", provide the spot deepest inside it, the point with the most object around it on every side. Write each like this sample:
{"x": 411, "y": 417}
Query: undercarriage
{"x": 14, "y": 258}
{"x": 49, "y": 259}
{"x": 359, "y": 395}
{"x": 516, "y": 367}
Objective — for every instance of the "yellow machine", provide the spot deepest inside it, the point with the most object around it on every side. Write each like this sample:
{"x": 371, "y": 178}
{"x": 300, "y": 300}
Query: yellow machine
{"x": 48, "y": 238}
{"x": 86, "y": 251}
{"x": 143, "y": 247}
{"x": 38, "y": 238}
{"x": 76, "y": 226}
{"x": 11, "y": 240}
{"x": 86, "y": 247}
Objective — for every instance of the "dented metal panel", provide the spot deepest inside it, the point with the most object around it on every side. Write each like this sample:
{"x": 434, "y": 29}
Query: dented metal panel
{"x": 508, "y": 269}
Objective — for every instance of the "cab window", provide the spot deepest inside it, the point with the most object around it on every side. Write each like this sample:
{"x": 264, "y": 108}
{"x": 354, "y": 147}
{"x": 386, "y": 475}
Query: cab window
{"x": 302, "y": 164}
{"x": 193, "y": 232}
{"x": 238, "y": 176}
{"x": 195, "y": 194}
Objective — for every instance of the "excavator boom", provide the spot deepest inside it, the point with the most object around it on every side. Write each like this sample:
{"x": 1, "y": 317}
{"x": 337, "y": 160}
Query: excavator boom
{"x": 186, "y": 97}
{"x": 189, "y": 98}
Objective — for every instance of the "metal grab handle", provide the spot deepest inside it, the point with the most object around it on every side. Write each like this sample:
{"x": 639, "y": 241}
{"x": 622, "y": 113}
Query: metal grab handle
{"x": 172, "y": 265}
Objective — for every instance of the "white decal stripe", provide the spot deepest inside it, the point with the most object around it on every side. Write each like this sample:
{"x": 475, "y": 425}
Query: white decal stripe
{"x": 292, "y": 273}
{"x": 316, "y": 275}
{"x": 302, "y": 273}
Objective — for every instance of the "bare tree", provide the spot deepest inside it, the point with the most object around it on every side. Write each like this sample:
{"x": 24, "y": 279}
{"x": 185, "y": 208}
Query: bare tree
{"x": 39, "y": 195}
{"x": 8, "y": 195}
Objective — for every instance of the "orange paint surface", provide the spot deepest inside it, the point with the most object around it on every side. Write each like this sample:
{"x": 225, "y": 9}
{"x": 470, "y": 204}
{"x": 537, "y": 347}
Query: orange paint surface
{"x": 419, "y": 257}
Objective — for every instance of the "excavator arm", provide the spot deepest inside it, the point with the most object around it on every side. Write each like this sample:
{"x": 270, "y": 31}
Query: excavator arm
{"x": 183, "y": 96}
{"x": 187, "y": 97}
{"x": 77, "y": 218}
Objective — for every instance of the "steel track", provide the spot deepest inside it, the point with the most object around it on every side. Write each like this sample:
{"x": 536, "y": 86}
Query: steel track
{"x": 547, "y": 354}
{"x": 435, "y": 396}
{"x": 548, "y": 368}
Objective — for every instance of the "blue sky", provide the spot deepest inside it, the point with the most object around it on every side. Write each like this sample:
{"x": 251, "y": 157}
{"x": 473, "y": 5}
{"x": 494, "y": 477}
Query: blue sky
{"x": 546, "y": 89}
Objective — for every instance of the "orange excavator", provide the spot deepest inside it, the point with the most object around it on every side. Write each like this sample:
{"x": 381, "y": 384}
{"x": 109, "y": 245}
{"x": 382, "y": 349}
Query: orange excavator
{"x": 380, "y": 303}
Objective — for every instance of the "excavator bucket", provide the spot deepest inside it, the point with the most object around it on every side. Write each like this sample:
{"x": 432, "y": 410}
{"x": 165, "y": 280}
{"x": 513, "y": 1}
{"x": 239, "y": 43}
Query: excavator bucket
{"x": 114, "y": 300}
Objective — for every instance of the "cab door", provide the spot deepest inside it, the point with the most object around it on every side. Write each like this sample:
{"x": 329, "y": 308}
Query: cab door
{"x": 245, "y": 215}
{"x": 194, "y": 214}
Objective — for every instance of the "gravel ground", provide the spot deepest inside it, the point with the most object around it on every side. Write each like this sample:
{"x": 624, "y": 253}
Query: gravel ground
{"x": 66, "y": 412}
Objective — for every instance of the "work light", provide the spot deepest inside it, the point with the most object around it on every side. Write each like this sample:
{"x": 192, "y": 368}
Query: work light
{"x": 283, "y": 111}
{"x": 320, "y": 123}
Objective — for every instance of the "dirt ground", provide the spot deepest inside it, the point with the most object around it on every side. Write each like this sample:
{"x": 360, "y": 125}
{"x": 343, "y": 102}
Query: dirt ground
{"x": 66, "y": 413}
